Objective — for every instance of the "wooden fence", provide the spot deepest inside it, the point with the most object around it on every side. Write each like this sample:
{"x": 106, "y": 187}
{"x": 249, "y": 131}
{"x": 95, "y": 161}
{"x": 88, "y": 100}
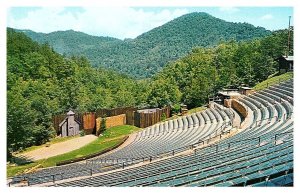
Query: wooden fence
{"x": 114, "y": 112}
{"x": 89, "y": 122}
{"x": 144, "y": 119}
{"x": 138, "y": 119}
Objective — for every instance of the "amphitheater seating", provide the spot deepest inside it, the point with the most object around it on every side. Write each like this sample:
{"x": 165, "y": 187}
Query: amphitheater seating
{"x": 172, "y": 135}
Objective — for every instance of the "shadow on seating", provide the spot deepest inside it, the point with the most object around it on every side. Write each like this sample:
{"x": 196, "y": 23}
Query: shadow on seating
{"x": 21, "y": 160}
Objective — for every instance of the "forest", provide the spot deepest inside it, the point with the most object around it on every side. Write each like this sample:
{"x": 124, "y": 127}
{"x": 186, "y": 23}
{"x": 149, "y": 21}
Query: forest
{"x": 42, "y": 83}
{"x": 147, "y": 54}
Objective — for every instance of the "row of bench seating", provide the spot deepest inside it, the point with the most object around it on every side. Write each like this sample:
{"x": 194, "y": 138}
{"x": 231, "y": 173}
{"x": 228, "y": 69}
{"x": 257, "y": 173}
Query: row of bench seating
{"x": 175, "y": 134}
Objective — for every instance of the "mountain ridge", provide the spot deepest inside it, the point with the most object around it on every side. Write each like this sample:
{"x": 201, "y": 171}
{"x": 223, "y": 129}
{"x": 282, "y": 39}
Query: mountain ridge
{"x": 149, "y": 52}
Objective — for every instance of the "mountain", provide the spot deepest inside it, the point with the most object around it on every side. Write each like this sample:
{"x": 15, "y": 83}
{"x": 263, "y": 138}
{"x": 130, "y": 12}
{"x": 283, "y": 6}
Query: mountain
{"x": 148, "y": 53}
{"x": 71, "y": 42}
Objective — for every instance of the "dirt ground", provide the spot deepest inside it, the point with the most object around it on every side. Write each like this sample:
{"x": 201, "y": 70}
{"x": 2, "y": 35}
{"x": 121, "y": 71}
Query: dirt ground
{"x": 59, "y": 148}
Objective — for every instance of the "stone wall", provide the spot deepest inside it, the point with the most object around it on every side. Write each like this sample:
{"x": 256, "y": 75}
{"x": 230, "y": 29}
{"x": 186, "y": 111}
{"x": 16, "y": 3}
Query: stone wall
{"x": 227, "y": 103}
{"x": 239, "y": 107}
{"x": 248, "y": 92}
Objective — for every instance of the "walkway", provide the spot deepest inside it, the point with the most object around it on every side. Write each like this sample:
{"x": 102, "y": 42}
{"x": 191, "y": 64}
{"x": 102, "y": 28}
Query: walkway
{"x": 59, "y": 148}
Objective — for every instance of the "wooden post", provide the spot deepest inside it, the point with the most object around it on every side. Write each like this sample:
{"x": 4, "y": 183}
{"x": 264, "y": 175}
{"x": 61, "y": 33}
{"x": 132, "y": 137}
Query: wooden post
{"x": 275, "y": 139}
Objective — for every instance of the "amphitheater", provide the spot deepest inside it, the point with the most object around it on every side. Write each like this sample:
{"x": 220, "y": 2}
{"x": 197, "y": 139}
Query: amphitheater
{"x": 215, "y": 147}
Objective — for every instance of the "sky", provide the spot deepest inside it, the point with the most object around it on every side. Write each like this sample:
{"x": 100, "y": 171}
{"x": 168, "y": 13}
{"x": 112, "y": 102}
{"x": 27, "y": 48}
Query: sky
{"x": 129, "y": 22}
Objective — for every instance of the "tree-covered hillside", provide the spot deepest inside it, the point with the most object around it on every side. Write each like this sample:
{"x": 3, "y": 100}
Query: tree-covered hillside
{"x": 42, "y": 83}
{"x": 150, "y": 52}
{"x": 71, "y": 42}
{"x": 203, "y": 72}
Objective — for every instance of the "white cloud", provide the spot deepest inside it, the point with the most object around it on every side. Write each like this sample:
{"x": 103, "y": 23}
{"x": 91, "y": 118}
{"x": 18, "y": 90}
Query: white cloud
{"x": 229, "y": 10}
{"x": 119, "y": 22}
{"x": 266, "y": 17}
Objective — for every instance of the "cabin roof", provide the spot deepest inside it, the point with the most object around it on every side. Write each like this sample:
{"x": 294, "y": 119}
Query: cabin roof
{"x": 287, "y": 58}
{"x": 232, "y": 93}
{"x": 70, "y": 113}
{"x": 246, "y": 88}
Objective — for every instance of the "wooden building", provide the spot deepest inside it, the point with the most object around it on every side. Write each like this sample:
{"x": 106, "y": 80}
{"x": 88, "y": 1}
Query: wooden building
{"x": 226, "y": 95}
{"x": 183, "y": 109}
{"x": 286, "y": 63}
{"x": 69, "y": 126}
{"x": 246, "y": 90}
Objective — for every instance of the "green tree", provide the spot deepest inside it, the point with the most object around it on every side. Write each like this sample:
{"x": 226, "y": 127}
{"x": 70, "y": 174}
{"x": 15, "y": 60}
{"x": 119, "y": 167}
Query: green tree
{"x": 163, "y": 92}
{"x": 20, "y": 121}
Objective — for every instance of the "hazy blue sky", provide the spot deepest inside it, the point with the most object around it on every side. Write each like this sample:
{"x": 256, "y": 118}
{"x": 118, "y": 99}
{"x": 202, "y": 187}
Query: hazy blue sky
{"x": 129, "y": 22}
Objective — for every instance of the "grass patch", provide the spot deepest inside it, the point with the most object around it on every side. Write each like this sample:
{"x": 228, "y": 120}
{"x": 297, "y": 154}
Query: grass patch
{"x": 109, "y": 138}
{"x": 273, "y": 80}
{"x": 120, "y": 131}
{"x": 96, "y": 146}
{"x": 191, "y": 111}
{"x": 171, "y": 118}
{"x": 13, "y": 170}
{"x": 197, "y": 109}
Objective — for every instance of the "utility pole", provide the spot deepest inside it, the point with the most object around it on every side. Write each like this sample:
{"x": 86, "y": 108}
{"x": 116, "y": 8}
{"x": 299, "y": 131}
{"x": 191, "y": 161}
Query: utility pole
{"x": 288, "y": 47}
